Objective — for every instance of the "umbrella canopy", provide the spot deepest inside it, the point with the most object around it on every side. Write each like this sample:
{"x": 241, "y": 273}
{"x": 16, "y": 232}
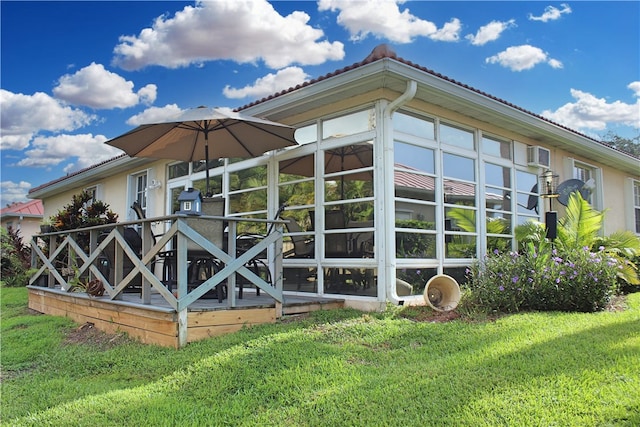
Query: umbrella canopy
{"x": 203, "y": 134}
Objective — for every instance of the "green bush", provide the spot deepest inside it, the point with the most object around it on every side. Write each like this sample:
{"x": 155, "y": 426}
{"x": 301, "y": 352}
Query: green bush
{"x": 571, "y": 280}
{"x": 16, "y": 258}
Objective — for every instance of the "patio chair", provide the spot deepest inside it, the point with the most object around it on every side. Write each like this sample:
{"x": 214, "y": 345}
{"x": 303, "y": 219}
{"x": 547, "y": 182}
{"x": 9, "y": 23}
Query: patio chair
{"x": 246, "y": 241}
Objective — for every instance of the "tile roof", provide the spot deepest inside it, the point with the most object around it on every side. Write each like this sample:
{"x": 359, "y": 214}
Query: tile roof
{"x": 384, "y": 51}
{"x": 30, "y": 208}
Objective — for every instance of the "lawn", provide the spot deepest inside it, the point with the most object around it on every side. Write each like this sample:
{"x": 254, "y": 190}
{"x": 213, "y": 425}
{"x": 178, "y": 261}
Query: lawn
{"x": 338, "y": 368}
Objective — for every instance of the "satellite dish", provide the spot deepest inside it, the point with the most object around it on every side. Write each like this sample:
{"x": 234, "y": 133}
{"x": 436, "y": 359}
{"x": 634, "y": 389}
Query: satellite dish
{"x": 532, "y": 203}
{"x": 566, "y": 188}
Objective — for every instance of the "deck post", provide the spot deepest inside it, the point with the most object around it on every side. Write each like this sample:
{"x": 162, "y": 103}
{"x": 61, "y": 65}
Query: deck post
{"x": 183, "y": 330}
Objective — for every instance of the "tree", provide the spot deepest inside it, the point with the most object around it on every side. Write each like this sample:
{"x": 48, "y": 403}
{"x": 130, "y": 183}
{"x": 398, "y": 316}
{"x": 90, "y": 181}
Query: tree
{"x": 629, "y": 145}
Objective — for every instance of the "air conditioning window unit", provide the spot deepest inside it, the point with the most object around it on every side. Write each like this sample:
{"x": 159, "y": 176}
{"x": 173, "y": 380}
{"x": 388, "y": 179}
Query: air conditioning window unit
{"x": 538, "y": 156}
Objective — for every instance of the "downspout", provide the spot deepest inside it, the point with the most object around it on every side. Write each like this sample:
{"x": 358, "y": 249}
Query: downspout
{"x": 388, "y": 215}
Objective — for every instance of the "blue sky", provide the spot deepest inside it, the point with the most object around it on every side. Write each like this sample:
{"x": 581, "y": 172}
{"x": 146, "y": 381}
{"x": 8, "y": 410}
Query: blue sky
{"x": 75, "y": 74}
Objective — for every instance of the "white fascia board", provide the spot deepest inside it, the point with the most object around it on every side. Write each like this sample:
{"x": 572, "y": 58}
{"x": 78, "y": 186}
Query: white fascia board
{"x": 90, "y": 176}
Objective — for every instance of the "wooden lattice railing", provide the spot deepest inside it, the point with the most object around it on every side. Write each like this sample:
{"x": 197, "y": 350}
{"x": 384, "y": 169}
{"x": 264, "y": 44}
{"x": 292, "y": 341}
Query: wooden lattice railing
{"x": 64, "y": 258}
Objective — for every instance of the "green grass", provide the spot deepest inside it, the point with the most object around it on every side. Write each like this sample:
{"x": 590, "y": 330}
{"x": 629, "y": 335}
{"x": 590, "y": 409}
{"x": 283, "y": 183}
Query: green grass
{"x": 341, "y": 368}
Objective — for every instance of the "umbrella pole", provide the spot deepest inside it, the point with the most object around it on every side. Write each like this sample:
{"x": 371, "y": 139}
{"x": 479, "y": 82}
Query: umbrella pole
{"x": 206, "y": 166}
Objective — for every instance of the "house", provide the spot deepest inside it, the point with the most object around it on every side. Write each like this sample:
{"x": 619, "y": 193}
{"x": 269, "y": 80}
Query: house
{"x": 24, "y": 217}
{"x": 401, "y": 174}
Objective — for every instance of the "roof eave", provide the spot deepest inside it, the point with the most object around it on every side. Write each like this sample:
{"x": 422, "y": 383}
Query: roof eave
{"x": 88, "y": 176}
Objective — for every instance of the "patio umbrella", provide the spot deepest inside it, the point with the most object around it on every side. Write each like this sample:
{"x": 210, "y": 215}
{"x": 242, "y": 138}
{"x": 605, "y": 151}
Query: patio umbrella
{"x": 186, "y": 137}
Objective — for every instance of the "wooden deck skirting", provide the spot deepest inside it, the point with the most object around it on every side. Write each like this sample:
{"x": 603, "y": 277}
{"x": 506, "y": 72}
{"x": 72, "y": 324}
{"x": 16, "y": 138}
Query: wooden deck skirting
{"x": 160, "y": 325}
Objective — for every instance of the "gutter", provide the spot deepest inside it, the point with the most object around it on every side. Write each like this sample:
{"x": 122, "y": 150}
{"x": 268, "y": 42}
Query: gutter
{"x": 388, "y": 252}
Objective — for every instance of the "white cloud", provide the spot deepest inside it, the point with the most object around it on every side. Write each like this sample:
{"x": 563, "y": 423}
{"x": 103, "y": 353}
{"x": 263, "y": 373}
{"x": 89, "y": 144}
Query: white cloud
{"x": 490, "y": 32}
{"x": 154, "y": 115}
{"x": 524, "y": 57}
{"x": 383, "y": 19}
{"x": 551, "y": 13}
{"x": 51, "y": 151}
{"x": 635, "y": 87}
{"x": 23, "y": 116}
{"x": 269, "y": 84}
{"x": 244, "y": 31}
{"x": 95, "y": 87}
{"x": 590, "y": 112}
{"x": 13, "y": 192}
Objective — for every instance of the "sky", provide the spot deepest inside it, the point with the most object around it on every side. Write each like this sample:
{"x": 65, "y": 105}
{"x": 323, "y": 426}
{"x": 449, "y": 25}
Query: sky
{"x": 76, "y": 74}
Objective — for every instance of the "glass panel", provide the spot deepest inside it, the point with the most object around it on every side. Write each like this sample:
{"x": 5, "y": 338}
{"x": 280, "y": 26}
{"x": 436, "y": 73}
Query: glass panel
{"x": 526, "y": 181}
{"x": 358, "y": 215}
{"x": 345, "y": 188}
{"x": 497, "y": 148}
{"x": 415, "y": 245}
{"x": 414, "y": 186}
{"x": 498, "y": 223}
{"x": 248, "y": 178}
{"x": 297, "y": 168}
{"x": 414, "y": 125}
{"x": 459, "y": 193}
{"x": 455, "y": 136}
{"x": 414, "y": 215}
{"x": 497, "y": 199}
{"x": 215, "y": 185}
{"x": 459, "y": 167}
{"x": 350, "y": 281}
{"x": 178, "y": 170}
{"x": 307, "y": 134}
{"x": 175, "y": 193}
{"x": 303, "y": 218}
{"x": 458, "y": 246}
{"x": 199, "y": 166}
{"x": 408, "y": 156}
{"x": 300, "y": 279}
{"x": 249, "y": 201}
{"x": 415, "y": 279}
{"x": 498, "y": 176}
{"x": 500, "y": 244}
{"x": 460, "y": 219}
{"x": 348, "y": 124}
{"x": 299, "y": 193}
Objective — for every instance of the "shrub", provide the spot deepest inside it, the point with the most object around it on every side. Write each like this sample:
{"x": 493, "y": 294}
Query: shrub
{"x": 572, "y": 280}
{"x": 83, "y": 211}
{"x": 16, "y": 258}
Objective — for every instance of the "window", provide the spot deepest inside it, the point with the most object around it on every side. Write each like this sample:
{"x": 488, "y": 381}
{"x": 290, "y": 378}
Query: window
{"x": 140, "y": 190}
{"x": 592, "y": 178}
{"x": 499, "y": 215}
{"x": 348, "y": 124}
{"x": 496, "y": 147}
{"x": 412, "y": 125}
{"x": 527, "y": 198}
{"x": 456, "y": 136}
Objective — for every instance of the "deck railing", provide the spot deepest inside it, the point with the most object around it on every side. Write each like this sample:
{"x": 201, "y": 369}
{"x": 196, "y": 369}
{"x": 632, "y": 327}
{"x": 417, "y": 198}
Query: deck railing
{"x": 64, "y": 258}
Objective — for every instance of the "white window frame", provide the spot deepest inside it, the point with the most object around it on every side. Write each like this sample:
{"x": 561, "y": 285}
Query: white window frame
{"x": 597, "y": 194}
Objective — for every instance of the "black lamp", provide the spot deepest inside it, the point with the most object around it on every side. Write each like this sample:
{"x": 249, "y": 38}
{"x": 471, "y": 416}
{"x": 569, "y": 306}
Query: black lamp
{"x": 549, "y": 190}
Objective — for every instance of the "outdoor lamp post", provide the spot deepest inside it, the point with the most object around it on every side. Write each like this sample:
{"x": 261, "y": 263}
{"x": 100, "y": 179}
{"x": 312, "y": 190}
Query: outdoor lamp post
{"x": 549, "y": 187}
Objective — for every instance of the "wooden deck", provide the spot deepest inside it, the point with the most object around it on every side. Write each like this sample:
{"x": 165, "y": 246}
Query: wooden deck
{"x": 158, "y": 323}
